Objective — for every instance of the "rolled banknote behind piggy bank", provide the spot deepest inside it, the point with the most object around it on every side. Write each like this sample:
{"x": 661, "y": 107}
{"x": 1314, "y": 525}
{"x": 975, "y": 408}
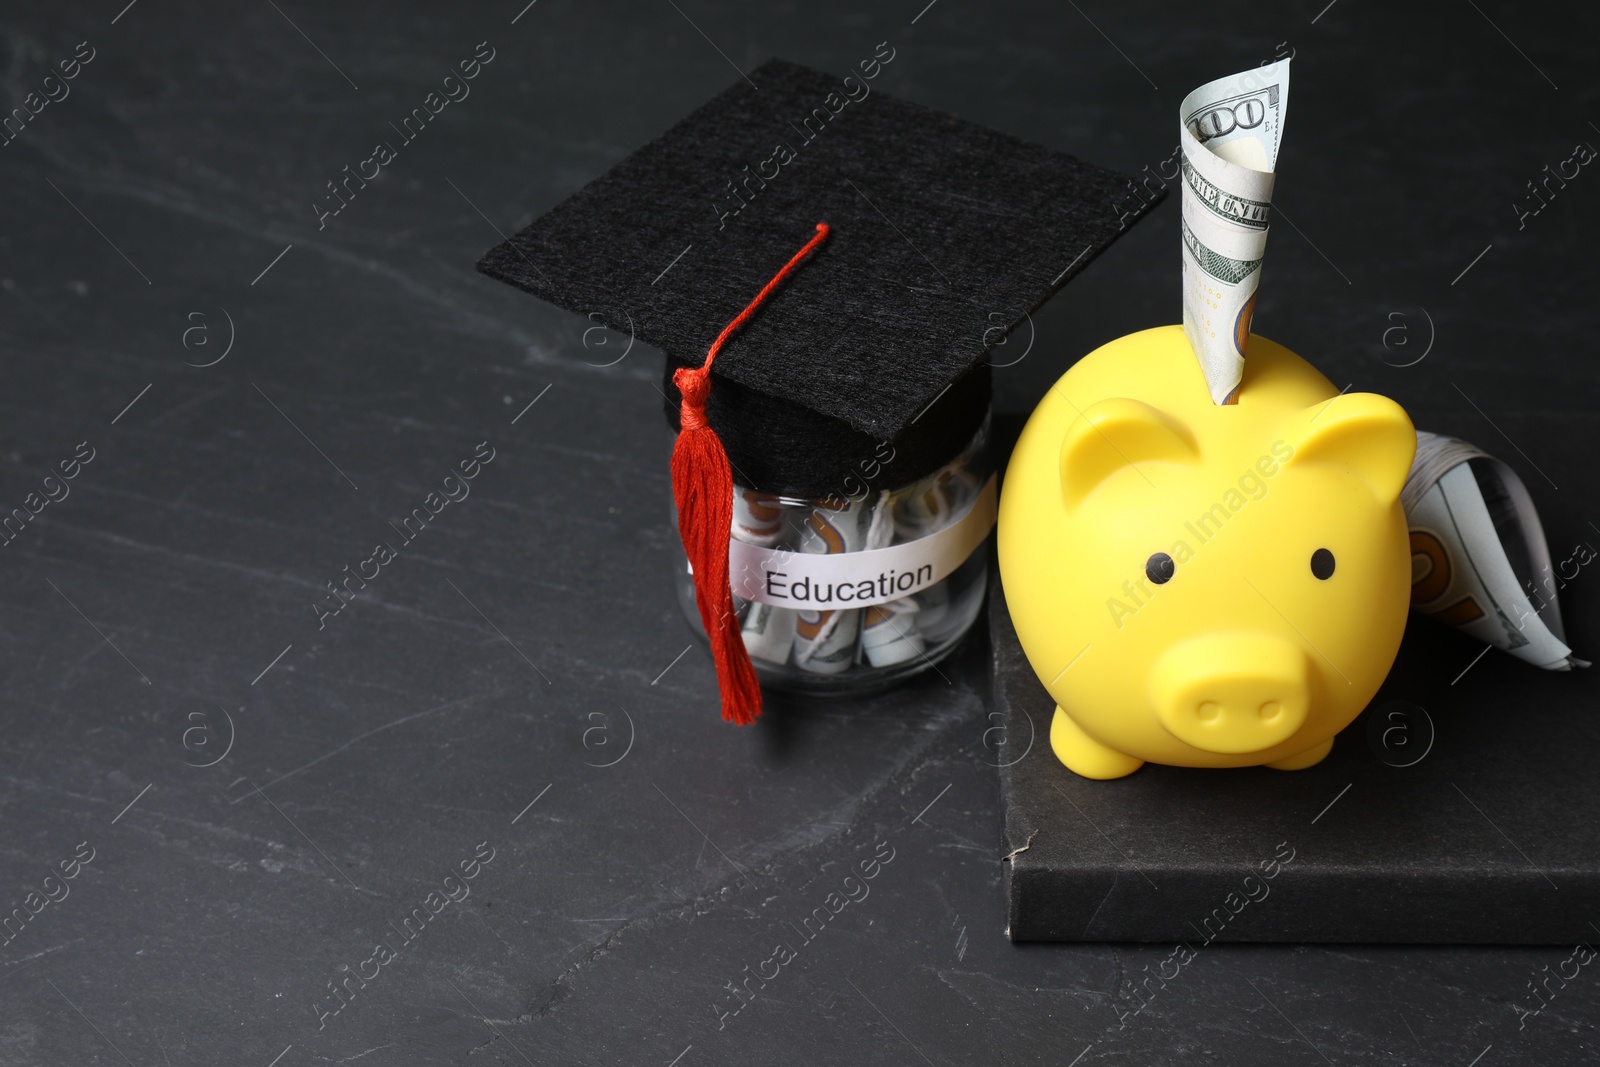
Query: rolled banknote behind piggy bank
{"x": 1479, "y": 561}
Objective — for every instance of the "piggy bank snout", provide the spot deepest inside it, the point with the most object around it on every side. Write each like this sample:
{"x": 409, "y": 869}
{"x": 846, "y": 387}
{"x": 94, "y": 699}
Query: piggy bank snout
{"x": 1232, "y": 693}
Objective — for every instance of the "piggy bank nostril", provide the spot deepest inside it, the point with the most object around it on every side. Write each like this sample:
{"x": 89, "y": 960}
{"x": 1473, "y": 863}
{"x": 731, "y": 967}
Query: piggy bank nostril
{"x": 1270, "y": 710}
{"x": 1208, "y": 711}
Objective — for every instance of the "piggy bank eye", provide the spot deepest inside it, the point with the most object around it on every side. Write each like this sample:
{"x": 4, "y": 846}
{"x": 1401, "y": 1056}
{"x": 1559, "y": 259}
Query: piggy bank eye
{"x": 1159, "y": 568}
{"x": 1322, "y": 564}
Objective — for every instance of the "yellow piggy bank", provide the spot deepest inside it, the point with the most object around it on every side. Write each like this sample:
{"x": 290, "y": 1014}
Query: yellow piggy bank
{"x": 1204, "y": 585}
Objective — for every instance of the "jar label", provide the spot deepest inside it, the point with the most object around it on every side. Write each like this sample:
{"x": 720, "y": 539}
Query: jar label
{"x": 810, "y": 582}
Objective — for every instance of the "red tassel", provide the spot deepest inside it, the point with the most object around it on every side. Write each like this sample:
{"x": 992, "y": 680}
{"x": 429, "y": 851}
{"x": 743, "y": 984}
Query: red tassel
{"x": 702, "y": 486}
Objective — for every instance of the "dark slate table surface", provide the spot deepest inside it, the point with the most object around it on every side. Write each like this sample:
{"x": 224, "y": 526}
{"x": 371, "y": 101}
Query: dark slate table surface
{"x": 267, "y": 797}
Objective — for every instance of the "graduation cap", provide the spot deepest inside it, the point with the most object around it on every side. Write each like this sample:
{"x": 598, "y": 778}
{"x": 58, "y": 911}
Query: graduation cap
{"x": 844, "y": 259}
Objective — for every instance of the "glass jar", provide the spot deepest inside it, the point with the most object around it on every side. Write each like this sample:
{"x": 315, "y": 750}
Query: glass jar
{"x": 855, "y": 592}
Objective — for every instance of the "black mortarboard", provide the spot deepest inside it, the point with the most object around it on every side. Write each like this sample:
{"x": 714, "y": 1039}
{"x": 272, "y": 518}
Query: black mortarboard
{"x": 944, "y": 235}
{"x": 926, "y": 239}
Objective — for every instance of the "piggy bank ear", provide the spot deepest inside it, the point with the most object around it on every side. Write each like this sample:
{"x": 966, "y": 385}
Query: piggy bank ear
{"x": 1113, "y": 434}
{"x": 1369, "y": 435}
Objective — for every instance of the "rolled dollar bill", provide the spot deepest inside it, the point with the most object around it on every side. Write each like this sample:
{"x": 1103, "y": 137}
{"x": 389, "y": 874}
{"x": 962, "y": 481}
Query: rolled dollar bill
{"x": 1229, "y": 131}
{"x": 889, "y": 632}
{"x": 825, "y": 641}
{"x": 930, "y": 503}
{"x": 934, "y": 617}
{"x": 768, "y": 633}
{"x": 757, "y": 517}
{"x": 923, "y": 508}
{"x": 1479, "y": 561}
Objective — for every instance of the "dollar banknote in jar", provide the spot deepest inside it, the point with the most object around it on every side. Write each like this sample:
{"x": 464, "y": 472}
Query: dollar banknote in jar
{"x": 825, "y": 640}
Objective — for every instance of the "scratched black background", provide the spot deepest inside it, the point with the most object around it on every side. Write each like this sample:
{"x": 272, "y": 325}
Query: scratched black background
{"x": 161, "y": 614}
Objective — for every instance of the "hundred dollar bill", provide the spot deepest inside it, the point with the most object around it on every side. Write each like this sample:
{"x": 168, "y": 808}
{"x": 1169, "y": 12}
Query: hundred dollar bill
{"x": 825, "y": 641}
{"x": 889, "y": 632}
{"x": 1479, "y": 561}
{"x": 889, "y": 637}
{"x": 768, "y": 632}
{"x": 925, "y": 508}
{"x": 758, "y": 518}
{"x": 1229, "y": 131}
